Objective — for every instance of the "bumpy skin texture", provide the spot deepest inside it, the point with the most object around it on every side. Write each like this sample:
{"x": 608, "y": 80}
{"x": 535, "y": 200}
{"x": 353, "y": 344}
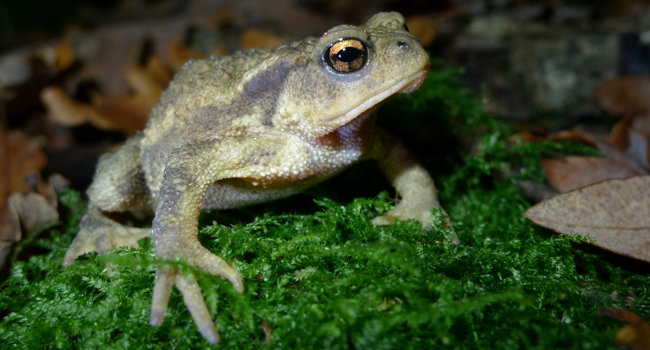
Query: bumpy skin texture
{"x": 252, "y": 127}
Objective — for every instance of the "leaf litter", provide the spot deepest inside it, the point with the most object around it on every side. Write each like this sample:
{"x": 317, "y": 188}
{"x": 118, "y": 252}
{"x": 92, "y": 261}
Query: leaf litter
{"x": 606, "y": 198}
{"x": 614, "y": 213}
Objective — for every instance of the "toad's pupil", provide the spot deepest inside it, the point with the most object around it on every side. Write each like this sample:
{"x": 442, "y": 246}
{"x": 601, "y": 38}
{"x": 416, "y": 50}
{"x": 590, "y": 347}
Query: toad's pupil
{"x": 348, "y": 54}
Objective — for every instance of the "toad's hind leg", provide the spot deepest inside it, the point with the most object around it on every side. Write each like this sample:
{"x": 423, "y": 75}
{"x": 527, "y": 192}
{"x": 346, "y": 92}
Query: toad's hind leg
{"x": 119, "y": 185}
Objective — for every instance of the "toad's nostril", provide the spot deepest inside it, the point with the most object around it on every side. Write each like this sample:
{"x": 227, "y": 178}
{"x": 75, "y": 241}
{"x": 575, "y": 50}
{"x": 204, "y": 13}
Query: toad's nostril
{"x": 402, "y": 44}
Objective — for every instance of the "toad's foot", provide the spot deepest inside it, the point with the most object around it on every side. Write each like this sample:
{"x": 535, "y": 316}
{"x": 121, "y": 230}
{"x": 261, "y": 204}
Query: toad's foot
{"x": 424, "y": 217}
{"x": 167, "y": 276}
{"x": 406, "y": 212}
{"x": 100, "y": 234}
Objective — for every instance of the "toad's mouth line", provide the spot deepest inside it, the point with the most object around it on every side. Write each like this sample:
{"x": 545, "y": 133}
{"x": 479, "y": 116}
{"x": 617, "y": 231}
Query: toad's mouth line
{"x": 406, "y": 85}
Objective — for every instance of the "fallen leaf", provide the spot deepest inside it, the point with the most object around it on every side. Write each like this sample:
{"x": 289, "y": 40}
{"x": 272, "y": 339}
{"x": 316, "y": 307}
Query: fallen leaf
{"x": 34, "y": 211}
{"x": 67, "y": 112}
{"x": 424, "y": 27}
{"x": 258, "y": 38}
{"x": 22, "y": 161}
{"x": 26, "y": 160}
{"x": 569, "y": 173}
{"x": 128, "y": 114}
{"x": 611, "y": 152}
{"x": 619, "y": 137}
{"x": 158, "y": 71}
{"x": 624, "y": 95}
{"x": 58, "y": 182}
{"x": 639, "y": 141}
{"x": 180, "y": 53}
{"x": 615, "y": 213}
{"x": 9, "y": 224}
{"x": 9, "y": 228}
{"x": 635, "y": 335}
{"x": 524, "y": 137}
{"x": 144, "y": 84}
{"x": 640, "y": 148}
{"x": 574, "y": 135}
{"x": 64, "y": 56}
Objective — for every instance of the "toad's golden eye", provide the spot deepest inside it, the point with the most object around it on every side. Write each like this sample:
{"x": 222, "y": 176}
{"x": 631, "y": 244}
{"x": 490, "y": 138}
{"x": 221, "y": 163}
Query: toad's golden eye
{"x": 346, "y": 55}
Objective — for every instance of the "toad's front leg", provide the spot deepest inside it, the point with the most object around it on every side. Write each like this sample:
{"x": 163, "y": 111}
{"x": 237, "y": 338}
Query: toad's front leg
{"x": 175, "y": 235}
{"x": 411, "y": 181}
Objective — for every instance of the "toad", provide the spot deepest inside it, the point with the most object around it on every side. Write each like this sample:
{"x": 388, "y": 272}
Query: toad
{"x": 249, "y": 128}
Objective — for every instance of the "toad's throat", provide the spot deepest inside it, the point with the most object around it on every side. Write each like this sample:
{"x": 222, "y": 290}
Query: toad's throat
{"x": 406, "y": 85}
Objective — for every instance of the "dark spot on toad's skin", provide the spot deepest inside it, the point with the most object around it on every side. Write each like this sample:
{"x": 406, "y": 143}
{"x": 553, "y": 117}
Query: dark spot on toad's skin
{"x": 267, "y": 86}
{"x": 270, "y": 80}
{"x": 264, "y": 88}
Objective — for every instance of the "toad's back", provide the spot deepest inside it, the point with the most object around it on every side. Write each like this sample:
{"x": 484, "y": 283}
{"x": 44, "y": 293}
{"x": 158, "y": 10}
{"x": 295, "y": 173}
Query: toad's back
{"x": 218, "y": 97}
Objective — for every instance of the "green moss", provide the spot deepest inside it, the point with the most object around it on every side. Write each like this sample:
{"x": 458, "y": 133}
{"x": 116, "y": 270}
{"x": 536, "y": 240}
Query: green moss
{"x": 319, "y": 275}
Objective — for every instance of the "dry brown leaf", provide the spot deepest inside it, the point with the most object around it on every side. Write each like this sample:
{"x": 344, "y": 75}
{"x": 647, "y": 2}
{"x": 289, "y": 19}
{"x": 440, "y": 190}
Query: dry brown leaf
{"x": 26, "y": 160}
{"x": 632, "y": 135}
{"x": 619, "y": 137}
{"x": 525, "y": 136}
{"x": 179, "y": 53}
{"x": 424, "y": 27}
{"x": 569, "y": 173}
{"x": 57, "y": 58}
{"x": 158, "y": 71}
{"x": 635, "y": 335}
{"x": 128, "y": 114}
{"x": 639, "y": 141}
{"x": 9, "y": 224}
{"x": 624, "y": 95}
{"x": 574, "y": 135}
{"x": 615, "y": 213}
{"x": 9, "y": 228}
{"x": 610, "y": 151}
{"x": 258, "y": 38}
{"x": 58, "y": 182}
{"x": 640, "y": 148}
{"x": 33, "y": 211}
{"x": 144, "y": 85}
{"x": 64, "y": 56}
{"x": 67, "y": 112}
